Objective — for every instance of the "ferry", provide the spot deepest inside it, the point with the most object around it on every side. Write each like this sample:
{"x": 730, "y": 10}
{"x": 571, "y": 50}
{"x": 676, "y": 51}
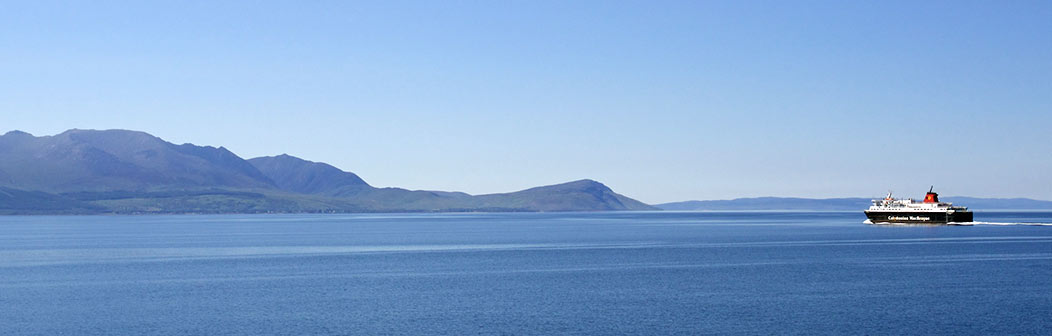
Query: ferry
{"x": 930, "y": 211}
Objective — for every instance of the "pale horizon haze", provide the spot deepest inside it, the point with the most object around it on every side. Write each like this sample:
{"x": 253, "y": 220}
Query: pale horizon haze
{"x": 662, "y": 101}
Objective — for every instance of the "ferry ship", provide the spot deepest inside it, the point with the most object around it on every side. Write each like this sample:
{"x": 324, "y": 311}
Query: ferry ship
{"x": 930, "y": 211}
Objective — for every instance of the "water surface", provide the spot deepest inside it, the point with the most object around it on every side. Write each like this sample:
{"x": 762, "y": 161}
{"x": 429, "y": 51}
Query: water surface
{"x": 563, "y": 273}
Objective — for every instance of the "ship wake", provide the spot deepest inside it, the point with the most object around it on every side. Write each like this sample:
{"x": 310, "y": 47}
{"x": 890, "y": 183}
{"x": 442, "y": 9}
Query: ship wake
{"x": 1011, "y": 223}
{"x": 961, "y": 223}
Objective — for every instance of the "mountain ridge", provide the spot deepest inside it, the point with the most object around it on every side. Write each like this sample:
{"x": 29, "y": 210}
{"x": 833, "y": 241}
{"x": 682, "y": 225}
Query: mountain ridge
{"x": 294, "y": 174}
{"x": 81, "y": 160}
{"x": 123, "y": 171}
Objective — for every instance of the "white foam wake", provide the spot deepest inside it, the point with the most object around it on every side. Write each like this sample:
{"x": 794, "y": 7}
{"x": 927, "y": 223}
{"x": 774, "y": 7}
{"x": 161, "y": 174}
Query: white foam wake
{"x": 1017, "y": 223}
{"x": 962, "y": 223}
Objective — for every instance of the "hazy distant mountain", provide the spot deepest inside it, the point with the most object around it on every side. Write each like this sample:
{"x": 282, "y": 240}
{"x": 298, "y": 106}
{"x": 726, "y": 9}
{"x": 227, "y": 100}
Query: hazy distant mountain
{"x": 293, "y": 174}
{"x": 297, "y": 175}
{"x": 770, "y": 203}
{"x": 87, "y": 160}
{"x": 577, "y": 195}
{"x": 999, "y": 203}
{"x": 118, "y": 171}
{"x": 846, "y": 204}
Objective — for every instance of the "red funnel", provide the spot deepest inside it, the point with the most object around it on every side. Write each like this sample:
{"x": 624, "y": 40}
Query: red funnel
{"x": 931, "y": 197}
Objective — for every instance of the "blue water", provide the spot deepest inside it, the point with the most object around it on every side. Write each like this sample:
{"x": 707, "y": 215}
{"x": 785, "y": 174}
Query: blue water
{"x": 564, "y": 273}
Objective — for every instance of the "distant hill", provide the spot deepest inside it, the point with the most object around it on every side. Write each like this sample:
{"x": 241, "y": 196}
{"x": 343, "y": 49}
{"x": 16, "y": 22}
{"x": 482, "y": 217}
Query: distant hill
{"x": 770, "y": 203}
{"x": 86, "y": 160}
{"x": 846, "y": 204}
{"x": 293, "y": 174}
{"x": 119, "y": 171}
{"x": 585, "y": 195}
{"x": 999, "y": 203}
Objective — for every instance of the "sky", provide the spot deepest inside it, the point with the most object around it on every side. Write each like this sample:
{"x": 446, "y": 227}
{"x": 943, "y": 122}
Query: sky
{"x": 660, "y": 100}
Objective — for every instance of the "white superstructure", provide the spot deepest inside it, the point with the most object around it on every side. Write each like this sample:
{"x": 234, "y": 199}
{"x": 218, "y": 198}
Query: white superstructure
{"x": 908, "y": 204}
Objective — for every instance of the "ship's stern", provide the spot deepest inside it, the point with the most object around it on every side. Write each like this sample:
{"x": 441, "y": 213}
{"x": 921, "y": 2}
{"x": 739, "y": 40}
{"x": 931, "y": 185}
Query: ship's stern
{"x": 961, "y": 217}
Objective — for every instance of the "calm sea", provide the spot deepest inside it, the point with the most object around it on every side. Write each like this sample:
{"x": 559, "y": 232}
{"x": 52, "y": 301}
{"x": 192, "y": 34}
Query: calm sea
{"x": 541, "y": 274}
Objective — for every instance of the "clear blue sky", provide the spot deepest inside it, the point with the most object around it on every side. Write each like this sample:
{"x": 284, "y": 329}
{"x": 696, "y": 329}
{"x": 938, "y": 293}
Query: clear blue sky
{"x": 662, "y": 101}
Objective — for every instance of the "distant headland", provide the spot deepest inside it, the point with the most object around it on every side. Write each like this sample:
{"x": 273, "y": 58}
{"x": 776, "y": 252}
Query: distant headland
{"x": 131, "y": 172}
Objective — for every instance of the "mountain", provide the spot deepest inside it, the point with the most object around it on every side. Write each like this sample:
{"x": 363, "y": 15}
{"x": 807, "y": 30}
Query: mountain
{"x": 88, "y": 160}
{"x": 120, "y": 171}
{"x": 586, "y": 195}
{"x": 293, "y": 174}
{"x": 846, "y": 204}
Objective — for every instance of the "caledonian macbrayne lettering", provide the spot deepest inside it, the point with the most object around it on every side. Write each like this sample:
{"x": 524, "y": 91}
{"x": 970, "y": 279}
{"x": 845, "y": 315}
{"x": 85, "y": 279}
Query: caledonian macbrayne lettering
{"x": 909, "y": 218}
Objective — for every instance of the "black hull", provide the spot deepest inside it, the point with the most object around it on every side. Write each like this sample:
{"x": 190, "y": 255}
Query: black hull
{"x": 914, "y": 217}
